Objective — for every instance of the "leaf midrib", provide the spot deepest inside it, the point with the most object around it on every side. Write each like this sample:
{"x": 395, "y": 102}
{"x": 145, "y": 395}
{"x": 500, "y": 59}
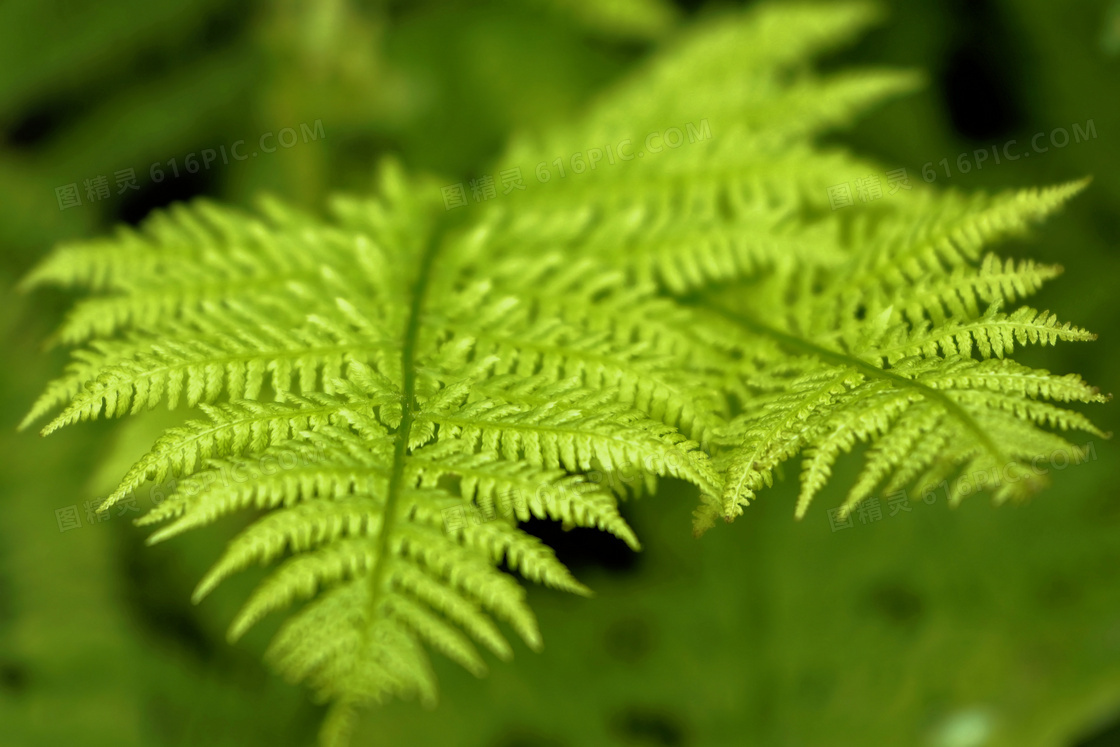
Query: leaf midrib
{"x": 408, "y": 415}
{"x": 848, "y": 361}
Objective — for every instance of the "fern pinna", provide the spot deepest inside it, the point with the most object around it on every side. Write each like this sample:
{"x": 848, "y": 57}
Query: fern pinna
{"x": 698, "y": 313}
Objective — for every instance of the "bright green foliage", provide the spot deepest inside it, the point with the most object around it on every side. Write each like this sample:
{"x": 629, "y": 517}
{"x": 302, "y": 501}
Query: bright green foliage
{"x": 697, "y": 313}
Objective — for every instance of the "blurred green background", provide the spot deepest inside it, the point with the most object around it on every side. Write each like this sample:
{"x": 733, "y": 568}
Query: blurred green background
{"x": 933, "y": 627}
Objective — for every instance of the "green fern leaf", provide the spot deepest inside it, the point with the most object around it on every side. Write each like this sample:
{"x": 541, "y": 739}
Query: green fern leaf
{"x": 394, "y": 387}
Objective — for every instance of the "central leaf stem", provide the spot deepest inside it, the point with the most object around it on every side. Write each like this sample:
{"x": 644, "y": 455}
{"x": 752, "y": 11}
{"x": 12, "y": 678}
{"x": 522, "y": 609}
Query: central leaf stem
{"x": 408, "y": 410}
{"x": 835, "y": 357}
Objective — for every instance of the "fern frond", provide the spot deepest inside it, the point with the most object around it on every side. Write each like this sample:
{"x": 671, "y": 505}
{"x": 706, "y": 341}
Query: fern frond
{"x": 841, "y": 398}
{"x": 948, "y": 232}
{"x": 395, "y": 386}
{"x": 232, "y": 429}
{"x": 993, "y": 335}
{"x": 963, "y": 291}
{"x": 394, "y": 402}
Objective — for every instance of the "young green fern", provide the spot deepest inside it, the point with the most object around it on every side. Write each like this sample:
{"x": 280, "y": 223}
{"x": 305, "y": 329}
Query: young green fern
{"x": 697, "y": 314}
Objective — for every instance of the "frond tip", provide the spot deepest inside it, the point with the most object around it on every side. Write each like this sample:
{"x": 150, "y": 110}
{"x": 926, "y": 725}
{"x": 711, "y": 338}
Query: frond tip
{"x": 899, "y": 355}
